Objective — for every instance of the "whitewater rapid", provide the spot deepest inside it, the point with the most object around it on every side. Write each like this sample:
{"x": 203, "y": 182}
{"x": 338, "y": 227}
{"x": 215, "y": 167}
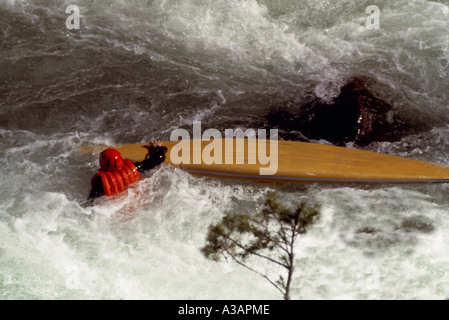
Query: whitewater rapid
{"x": 136, "y": 70}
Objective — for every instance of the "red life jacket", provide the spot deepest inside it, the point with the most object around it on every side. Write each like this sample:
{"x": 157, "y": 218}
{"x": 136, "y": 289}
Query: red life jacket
{"x": 114, "y": 182}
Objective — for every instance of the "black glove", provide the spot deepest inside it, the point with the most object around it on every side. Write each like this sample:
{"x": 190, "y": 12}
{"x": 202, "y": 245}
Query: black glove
{"x": 154, "y": 157}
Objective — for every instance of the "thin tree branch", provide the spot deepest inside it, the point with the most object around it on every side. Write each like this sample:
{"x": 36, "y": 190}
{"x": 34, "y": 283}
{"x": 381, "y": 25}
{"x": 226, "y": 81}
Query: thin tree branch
{"x": 276, "y": 242}
{"x": 255, "y": 253}
{"x": 255, "y": 271}
{"x": 283, "y": 234}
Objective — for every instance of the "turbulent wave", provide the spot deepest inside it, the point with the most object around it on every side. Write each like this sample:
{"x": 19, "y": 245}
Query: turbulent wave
{"x": 136, "y": 70}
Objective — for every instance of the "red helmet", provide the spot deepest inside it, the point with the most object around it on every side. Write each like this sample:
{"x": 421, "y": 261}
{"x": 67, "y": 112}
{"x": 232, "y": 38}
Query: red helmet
{"x": 111, "y": 160}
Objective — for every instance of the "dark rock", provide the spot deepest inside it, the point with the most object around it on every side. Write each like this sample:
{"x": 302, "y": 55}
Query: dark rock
{"x": 375, "y": 239}
{"x": 417, "y": 223}
{"x": 356, "y": 115}
{"x": 367, "y": 230}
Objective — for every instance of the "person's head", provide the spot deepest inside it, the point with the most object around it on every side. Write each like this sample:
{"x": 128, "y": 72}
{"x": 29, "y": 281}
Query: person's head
{"x": 111, "y": 160}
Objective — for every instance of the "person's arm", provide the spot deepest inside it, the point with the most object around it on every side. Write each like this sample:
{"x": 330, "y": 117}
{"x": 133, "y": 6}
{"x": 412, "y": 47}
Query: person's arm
{"x": 155, "y": 156}
{"x": 97, "y": 188}
{"x": 95, "y": 192}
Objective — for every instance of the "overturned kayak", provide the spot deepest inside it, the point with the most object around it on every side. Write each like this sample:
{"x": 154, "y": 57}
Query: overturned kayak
{"x": 287, "y": 161}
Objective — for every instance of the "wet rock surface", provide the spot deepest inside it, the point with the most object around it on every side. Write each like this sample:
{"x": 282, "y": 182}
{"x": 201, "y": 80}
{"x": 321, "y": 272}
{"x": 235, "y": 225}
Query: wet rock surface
{"x": 375, "y": 240}
{"x": 355, "y": 115}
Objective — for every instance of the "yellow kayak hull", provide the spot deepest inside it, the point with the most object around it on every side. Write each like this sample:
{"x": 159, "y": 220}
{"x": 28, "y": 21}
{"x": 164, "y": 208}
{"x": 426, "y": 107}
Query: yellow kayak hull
{"x": 298, "y": 162}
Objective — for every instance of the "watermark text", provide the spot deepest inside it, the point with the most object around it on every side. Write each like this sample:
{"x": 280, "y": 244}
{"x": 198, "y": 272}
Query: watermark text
{"x": 259, "y": 149}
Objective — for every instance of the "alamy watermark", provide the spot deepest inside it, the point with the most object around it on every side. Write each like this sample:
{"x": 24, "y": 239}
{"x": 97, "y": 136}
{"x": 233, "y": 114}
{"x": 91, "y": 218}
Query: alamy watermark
{"x": 371, "y": 22}
{"x": 73, "y": 20}
{"x": 73, "y": 281}
{"x": 212, "y": 153}
{"x": 372, "y": 279}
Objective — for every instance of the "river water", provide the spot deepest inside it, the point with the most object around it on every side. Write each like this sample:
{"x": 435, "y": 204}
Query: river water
{"x": 135, "y": 70}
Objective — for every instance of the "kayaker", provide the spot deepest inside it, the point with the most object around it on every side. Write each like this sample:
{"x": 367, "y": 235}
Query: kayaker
{"x": 116, "y": 173}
